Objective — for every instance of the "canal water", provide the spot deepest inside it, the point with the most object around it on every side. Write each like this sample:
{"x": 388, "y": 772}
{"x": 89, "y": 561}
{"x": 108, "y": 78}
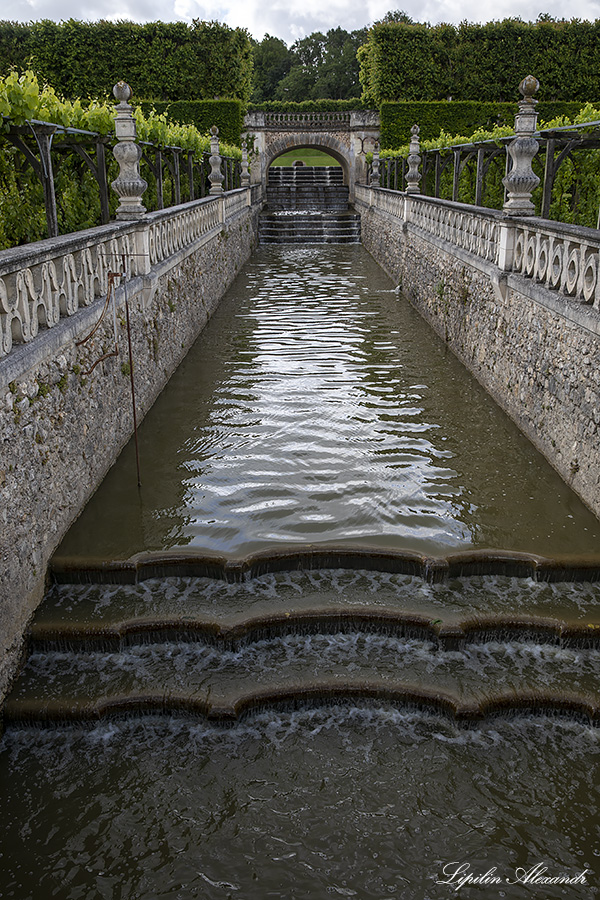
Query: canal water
{"x": 317, "y": 407}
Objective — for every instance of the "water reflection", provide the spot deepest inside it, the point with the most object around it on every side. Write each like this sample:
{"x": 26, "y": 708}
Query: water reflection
{"x": 318, "y": 405}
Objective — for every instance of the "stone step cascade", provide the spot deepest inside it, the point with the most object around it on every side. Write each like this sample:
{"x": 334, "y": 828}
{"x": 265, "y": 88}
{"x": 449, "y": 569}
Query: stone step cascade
{"x": 308, "y": 204}
{"x": 298, "y": 175}
{"x": 213, "y": 646}
{"x": 310, "y": 228}
{"x": 308, "y": 196}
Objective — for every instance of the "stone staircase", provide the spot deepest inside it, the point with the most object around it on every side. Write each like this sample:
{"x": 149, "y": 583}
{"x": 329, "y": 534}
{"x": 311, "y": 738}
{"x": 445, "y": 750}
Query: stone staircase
{"x": 308, "y": 204}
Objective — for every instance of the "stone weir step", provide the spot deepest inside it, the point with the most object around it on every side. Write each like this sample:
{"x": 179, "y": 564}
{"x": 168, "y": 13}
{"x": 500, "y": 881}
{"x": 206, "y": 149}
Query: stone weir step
{"x": 308, "y": 196}
{"x": 309, "y": 227}
{"x": 217, "y": 648}
{"x": 300, "y": 174}
{"x": 296, "y": 669}
{"x": 307, "y": 190}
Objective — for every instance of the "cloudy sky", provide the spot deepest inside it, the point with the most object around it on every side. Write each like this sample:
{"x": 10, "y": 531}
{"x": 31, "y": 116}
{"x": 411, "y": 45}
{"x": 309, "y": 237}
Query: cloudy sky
{"x": 278, "y": 17}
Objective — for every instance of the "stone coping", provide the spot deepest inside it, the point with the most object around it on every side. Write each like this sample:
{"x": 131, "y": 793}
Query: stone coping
{"x": 238, "y": 631}
{"x": 142, "y": 566}
{"x": 304, "y": 693}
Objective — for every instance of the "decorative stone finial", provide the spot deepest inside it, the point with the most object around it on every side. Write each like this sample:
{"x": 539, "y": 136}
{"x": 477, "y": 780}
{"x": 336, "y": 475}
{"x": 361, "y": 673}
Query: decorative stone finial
{"x": 521, "y": 180}
{"x": 375, "y": 176}
{"x": 529, "y": 86}
{"x": 122, "y": 91}
{"x": 245, "y": 173}
{"x": 129, "y": 185}
{"x": 413, "y": 176}
{"x": 216, "y": 176}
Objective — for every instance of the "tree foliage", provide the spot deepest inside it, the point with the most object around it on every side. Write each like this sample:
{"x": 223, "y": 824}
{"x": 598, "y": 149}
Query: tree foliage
{"x": 315, "y": 67}
{"x": 576, "y": 189}
{"x": 462, "y": 117}
{"x": 160, "y": 60}
{"x": 227, "y": 115}
{"x": 22, "y": 212}
{"x": 272, "y": 62}
{"x": 22, "y": 98}
{"x": 402, "y": 60}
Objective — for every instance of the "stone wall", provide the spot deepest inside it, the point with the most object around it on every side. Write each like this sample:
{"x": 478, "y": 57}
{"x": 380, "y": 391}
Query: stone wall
{"x": 61, "y": 425}
{"x": 534, "y": 345}
{"x": 347, "y": 136}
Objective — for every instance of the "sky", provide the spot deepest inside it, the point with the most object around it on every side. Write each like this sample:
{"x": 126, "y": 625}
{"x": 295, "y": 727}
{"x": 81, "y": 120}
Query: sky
{"x": 290, "y": 21}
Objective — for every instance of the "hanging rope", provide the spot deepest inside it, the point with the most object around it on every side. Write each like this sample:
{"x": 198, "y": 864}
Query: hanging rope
{"x": 115, "y": 351}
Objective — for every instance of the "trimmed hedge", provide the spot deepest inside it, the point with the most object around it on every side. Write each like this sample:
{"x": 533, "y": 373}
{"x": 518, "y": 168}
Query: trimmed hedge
{"x": 161, "y": 60}
{"x": 401, "y": 61}
{"x": 227, "y": 115}
{"x": 307, "y": 106}
{"x": 456, "y": 117}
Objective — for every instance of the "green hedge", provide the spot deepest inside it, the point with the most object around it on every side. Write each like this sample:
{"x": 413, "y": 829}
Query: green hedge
{"x": 456, "y": 117}
{"x": 226, "y": 114}
{"x": 160, "y": 60}
{"x": 402, "y": 61}
{"x": 307, "y": 106}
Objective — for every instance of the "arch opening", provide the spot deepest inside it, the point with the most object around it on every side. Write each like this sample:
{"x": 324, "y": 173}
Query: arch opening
{"x": 307, "y": 156}
{"x": 322, "y": 142}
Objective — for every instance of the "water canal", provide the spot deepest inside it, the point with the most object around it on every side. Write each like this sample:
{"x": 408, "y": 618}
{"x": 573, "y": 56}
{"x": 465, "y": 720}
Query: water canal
{"x": 317, "y": 408}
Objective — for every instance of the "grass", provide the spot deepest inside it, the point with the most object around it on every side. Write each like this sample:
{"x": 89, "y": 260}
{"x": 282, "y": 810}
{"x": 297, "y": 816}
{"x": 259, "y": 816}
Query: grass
{"x": 308, "y": 156}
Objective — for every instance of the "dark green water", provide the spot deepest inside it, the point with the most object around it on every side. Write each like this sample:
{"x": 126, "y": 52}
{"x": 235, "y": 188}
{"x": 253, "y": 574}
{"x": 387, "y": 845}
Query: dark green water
{"x": 360, "y": 803}
{"x": 317, "y": 406}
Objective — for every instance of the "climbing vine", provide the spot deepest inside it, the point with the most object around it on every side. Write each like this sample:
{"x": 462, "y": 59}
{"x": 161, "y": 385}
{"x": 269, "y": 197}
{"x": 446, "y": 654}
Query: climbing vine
{"x": 22, "y": 215}
{"x": 576, "y": 191}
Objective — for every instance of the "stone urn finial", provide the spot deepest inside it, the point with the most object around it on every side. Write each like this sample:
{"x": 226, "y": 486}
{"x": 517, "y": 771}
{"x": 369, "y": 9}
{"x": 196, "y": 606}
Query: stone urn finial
{"x": 245, "y": 176}
{"x": 413, "y": 176}
{"x": 129, "y": 184}
{"x": 521, "y": 180}
{"x": 122, "y": 92}
{"x": 216, "y": 176}
{"x": 529, "y": 86}
{"x": 375, "y": 175}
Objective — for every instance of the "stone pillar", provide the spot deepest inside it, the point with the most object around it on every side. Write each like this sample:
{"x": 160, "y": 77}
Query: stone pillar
{"x": 216, "y": 176}
{"x": 413, "y": 176}
{"x": 129, "y": 185}
{"x": 521, "y": 180}
{"x": 245, "y": 172}
{"x": 375, "y": 176}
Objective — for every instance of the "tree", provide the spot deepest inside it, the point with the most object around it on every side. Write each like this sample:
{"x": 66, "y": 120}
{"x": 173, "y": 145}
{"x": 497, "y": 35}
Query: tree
{"x": 323, "y": 66}
{"x": 338, "y": 76}
{"x": 272, "y": 62}
{"x": 396, "y": 15}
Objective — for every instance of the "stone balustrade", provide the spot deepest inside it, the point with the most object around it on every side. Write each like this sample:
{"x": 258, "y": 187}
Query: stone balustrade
{"x": 562, "y": 258}
{"x": 42, "y": 282}
{"x": 175, "y": 228}
{"x": 256, "y": 194}
{"x": 364, "y": 195}
{"x": 517, "y": 299}
{"x": 309, "y": 119}
{"x": 470, "y": 228}
{"x": 49, "y": 280}
{"x": 235, "y": 203}
{"x": 390, "y": 202}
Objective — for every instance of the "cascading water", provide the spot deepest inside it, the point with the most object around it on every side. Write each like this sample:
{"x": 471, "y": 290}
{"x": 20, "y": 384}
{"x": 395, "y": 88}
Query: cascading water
{"x": 308, "y": 204}
{"x": 308, "y": 563}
